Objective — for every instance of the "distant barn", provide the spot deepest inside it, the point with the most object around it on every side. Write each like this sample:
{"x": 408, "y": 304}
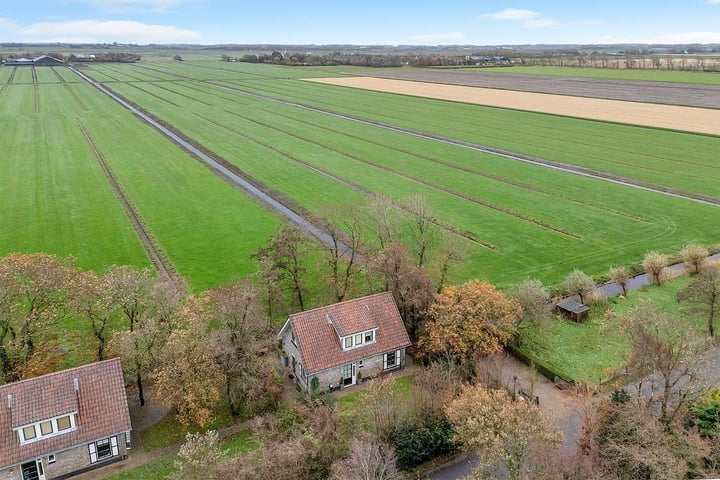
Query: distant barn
{"x": 41, "y": 61}
{"x": 572, "y": 310}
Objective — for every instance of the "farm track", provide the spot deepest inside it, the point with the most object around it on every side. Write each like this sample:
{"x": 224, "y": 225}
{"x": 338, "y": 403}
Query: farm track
{"x": 551, "y": 164}
{"x": 156, "y": 255}
{"x": 11, "y": 78}
{"x": 228, "y": 171}
{"x": 685, "y": 94}
{"x": 77, "y": 100}
{"x": 37, "y": 90}
{"x": 421, "y": 181}
{"x": 471, "y": 171}
{"x": 365, "y": 191}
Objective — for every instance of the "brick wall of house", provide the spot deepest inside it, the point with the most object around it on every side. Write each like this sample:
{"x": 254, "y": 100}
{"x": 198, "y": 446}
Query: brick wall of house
{"x": 372, "y": 367}
{"x": 65, "y": 462}
{"x": 291, "y": 349}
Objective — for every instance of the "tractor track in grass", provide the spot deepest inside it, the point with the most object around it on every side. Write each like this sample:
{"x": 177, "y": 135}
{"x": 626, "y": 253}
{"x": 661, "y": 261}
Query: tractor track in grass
{"x": 541, "y": 162}
{"x": 36, "y": 88}
{"x": 470, "y": 170}
{"x": 470, "y": 236}
{"x": 156, "y": 255}
{"x": 229, "y": 172}
{"x": 434, "y": 186}
{"x": 77, "y": 100}
{"x": 11, "y": 78}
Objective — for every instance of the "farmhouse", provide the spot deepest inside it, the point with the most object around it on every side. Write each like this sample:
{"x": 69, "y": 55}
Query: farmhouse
{"x": 42, "y": 60}
{"x": 572, "y": 310}
{"x": 64, "y": 423}
{"x": 341, "y": 343}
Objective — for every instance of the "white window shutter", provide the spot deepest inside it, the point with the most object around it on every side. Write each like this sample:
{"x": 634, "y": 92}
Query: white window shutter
{"x": 114, "y": 445}
{"x": 93, "y": 453}
{"x": 385, "y": 361}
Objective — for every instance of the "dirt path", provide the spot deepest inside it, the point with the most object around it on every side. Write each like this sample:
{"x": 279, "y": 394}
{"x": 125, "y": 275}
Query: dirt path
{"x": 158, "y": 258}
{"x": 688, "y": 119}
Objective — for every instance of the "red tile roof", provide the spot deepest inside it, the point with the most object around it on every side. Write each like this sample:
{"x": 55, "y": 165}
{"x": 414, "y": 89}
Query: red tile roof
{"x": 319, "y": 344}
{"x": 100, "y": 403}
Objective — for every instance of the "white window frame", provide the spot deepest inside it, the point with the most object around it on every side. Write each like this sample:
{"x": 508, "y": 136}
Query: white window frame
{"x": 38, "y": 431}
{"x": 51, "y": 458}
{"x": 395, "y": 364}
{"x": 350, "y": 341}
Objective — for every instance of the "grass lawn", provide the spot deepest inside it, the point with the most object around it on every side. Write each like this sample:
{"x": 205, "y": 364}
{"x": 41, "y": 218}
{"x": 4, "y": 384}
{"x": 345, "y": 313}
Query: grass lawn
{"x": 163, "y": 467}
{"x": 169, "y": 431}
{"x": 349, "y": 403}
{"x": 586, "y": 352}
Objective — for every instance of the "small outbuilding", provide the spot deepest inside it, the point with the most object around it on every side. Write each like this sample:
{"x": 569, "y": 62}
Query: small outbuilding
{"x": 572, "y": 310}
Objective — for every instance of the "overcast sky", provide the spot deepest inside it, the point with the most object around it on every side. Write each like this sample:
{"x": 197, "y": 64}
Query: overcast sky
{"x": 388, "y": 22}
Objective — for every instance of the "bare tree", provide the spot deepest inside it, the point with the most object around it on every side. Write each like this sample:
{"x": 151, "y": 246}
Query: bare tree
{"x": 199, "y": 458}
{"x": 694, "y": 257}
{"x": 410, "y": 285}
{"x": 423, "y": 230}
{"x": 621, "y": 276}
{"x": 665, "y": 356}
{"x": 385, "y": 219}
{"x": 533, "y": 297}
{"x": 285, "y": 254}
{"x": 239, "y": 346}
{"x": 703, "y": 295}
{"x": 92, "y": 300}
{"x": 344, "y": 227}
{"x": 369, "y": 458}
{"x": 655, "y": 264}
{"x": 454, "y": 250}
{"x": 578, "y": 283}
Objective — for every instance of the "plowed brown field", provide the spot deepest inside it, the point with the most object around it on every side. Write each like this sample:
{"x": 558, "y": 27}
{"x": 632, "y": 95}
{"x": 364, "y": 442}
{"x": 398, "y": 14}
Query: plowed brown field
{"x": 698, "y": 120}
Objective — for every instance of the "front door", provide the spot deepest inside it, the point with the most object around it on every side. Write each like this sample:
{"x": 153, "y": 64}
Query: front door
{"x": 348, "y": 374}
{"x": 32, "y": 470}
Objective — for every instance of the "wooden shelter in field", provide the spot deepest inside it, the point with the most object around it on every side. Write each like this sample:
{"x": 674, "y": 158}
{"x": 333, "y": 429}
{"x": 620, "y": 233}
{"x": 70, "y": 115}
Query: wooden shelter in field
{"x": 572, "y": 310}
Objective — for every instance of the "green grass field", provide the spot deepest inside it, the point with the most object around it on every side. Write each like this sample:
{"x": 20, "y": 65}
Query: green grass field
{"x": 543, "y": 223}
{"x": 702, "y": 78}
{"x": 587, "y": 352}
{"x": 56, "y": 198}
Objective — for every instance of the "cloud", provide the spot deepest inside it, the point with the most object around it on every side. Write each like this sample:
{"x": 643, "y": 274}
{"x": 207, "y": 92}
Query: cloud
{"x": 123, "y": 6}
{"x": 99, "y": 31}
{"x": 512, "y": 14}
{"x": 713, "y": 2}
{"x": 438, "y": 38}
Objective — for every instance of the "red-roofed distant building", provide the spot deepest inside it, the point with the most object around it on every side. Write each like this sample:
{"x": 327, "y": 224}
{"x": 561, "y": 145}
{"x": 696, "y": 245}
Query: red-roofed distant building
{"x": 336, "y": 343}
{"x": 58, "y": 425}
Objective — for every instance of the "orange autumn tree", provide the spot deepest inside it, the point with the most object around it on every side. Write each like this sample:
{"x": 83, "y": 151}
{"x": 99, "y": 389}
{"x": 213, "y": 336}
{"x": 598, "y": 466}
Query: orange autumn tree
{"x": 469, "y": 321}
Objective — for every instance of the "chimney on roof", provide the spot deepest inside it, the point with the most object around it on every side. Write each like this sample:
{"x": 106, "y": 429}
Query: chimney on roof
{"x": 76, "y": 385}
{"x": 10, "y": 401}
{"x": 329, "y": 318}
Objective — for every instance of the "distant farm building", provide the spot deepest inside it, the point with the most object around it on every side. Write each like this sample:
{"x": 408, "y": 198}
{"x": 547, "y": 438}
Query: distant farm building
{"x": 572, "y": 310}
{"x": 41, "y": 61}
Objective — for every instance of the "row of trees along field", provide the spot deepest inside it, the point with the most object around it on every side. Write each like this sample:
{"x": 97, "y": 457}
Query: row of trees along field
{"x": 216, "y": 350}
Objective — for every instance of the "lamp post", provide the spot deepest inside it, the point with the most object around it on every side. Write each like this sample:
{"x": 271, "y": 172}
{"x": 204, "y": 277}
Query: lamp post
{"x": 515, "y": 386}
